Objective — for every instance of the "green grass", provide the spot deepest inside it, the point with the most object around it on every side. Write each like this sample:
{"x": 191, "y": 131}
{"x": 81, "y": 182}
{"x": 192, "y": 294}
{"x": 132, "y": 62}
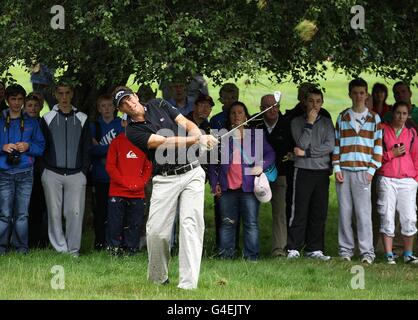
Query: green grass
{"x": 98, "y": 276}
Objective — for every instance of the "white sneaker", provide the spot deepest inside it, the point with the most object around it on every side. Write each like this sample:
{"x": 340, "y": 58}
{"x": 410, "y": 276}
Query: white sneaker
{"x": 346, "y": 258}
{"x": 319, "y": 255}
{"x": 367, "y": 260}
{"x": 293, "y": 254}
{"x": 390, "y": 260}
{"x": 410, "y": 260}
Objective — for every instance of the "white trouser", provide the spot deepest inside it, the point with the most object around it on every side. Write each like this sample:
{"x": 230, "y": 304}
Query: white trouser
{"x": 189, "y": 189}
{"x": 397, "y": 195}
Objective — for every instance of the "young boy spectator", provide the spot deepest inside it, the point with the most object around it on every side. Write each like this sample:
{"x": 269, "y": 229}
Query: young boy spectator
{"x": 297, "y": 111}
{"x": 103, "y": 131}
{"x": 129, "y": 170}
{"x": 33, "y": 106}
{"x": 66, "y": 162}
{"x": 314, "y": 137}
{"x": 357, "y": 155}
{"x": 38, "y": 215}
{"x": 21, "y": 140}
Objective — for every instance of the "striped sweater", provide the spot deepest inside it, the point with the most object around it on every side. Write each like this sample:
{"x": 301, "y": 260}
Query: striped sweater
{"x": 358, "y": 151}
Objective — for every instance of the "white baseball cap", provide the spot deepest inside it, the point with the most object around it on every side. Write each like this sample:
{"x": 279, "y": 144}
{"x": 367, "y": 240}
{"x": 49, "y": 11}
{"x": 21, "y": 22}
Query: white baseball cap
{"x": 262, "y": 189}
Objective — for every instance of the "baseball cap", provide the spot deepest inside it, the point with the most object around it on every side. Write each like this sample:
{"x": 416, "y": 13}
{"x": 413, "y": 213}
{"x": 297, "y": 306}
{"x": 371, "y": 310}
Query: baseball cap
{"x": 262, "y": 189}
{"x": 119, "y": 95}
{"x": 203, "y": 98}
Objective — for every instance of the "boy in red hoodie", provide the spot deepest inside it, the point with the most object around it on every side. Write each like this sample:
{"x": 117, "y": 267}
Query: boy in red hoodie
{"x": 129, "y": 170}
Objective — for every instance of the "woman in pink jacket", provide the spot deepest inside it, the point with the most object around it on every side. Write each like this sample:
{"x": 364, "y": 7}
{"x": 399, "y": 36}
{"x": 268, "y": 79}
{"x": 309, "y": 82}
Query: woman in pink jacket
{"x": 397, "y": 183}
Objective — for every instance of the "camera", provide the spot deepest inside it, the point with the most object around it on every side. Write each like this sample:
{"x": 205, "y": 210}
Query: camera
{"x": 13, "y": 158}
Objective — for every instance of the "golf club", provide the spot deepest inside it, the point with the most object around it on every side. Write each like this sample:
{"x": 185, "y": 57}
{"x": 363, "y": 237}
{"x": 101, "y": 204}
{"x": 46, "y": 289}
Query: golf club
{"x": 277, "y": 97}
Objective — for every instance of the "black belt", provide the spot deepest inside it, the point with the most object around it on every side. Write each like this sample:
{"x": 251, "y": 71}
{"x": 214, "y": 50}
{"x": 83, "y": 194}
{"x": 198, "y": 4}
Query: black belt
{"x": 180, "y": 170}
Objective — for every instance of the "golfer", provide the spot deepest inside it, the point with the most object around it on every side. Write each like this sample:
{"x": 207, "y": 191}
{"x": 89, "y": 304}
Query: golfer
{"x": 164, "y": 134}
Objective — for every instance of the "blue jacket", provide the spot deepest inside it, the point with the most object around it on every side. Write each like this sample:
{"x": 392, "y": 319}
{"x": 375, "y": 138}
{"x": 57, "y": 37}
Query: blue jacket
{"x": 218, "y": 172}
{"x": 218, "y": 120}
{"x": 31, "y": 134}
{"x": 98, "y": 153}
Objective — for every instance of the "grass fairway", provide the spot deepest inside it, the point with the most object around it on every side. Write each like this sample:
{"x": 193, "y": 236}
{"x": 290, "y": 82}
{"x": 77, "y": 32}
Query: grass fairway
{"x": 98, "y": 276}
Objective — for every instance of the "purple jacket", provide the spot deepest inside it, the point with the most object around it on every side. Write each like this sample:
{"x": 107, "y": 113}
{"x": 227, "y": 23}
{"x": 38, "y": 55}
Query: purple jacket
{"x": 218, "y": 172}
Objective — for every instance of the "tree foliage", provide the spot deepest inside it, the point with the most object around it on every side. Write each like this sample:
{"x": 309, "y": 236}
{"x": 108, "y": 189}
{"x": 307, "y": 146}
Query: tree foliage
{"x": 106, "y": 41}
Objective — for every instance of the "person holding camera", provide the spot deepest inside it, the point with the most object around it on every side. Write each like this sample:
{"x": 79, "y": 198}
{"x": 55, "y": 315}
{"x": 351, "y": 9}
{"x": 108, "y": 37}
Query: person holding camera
{"x": 21, "y": 141}
{"x": 397, "y": 183}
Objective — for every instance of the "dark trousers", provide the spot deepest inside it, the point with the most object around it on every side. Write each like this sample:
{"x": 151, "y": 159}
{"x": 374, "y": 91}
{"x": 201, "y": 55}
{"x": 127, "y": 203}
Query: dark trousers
{"x": 38, "y": 215}
{"x": 289, "y": 170}
{"x": 124, "y": 222}
{"x": 101, "y": 196}
{"x": 309, "y": 210}
{"x": 218, "y": 220}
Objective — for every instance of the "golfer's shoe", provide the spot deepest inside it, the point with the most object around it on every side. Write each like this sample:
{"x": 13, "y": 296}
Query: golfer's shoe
{"x": 410, "y": 260}
{"x": 390, "y": 260}
{"x": 367, "y": 260}
{"x": 318, "y": 255}
{"x": 293, "y": 254}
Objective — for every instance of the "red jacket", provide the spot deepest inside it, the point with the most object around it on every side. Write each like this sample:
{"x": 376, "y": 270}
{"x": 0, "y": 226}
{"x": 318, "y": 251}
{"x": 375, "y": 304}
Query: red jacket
{"x": 128, "y": 167}
{"x": 405, "y": 166}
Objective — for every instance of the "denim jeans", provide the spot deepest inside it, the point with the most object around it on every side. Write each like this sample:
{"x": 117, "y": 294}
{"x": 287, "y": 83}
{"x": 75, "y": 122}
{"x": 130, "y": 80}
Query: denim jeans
{"x": 15, "y": 192}
{"x": 233, "y": 204}
{"x": 125, "y": 217}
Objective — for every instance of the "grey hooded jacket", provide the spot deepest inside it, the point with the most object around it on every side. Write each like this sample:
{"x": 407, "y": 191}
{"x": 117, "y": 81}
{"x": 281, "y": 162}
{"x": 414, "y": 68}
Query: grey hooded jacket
{"x": 68, "y": 141}
{"x": 317, "y": 140}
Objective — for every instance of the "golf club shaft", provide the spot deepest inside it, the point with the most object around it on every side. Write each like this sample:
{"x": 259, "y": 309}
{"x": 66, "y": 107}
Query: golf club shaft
{"x": 244, "y": 123}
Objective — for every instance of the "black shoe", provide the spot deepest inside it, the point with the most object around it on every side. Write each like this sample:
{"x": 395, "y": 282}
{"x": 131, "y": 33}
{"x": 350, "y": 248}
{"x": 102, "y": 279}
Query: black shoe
{"x": 131, "y": 251}
{"x": 115, "y": 251}
{"x": 99, "y": 247}
{"x": 166, "y": 282}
